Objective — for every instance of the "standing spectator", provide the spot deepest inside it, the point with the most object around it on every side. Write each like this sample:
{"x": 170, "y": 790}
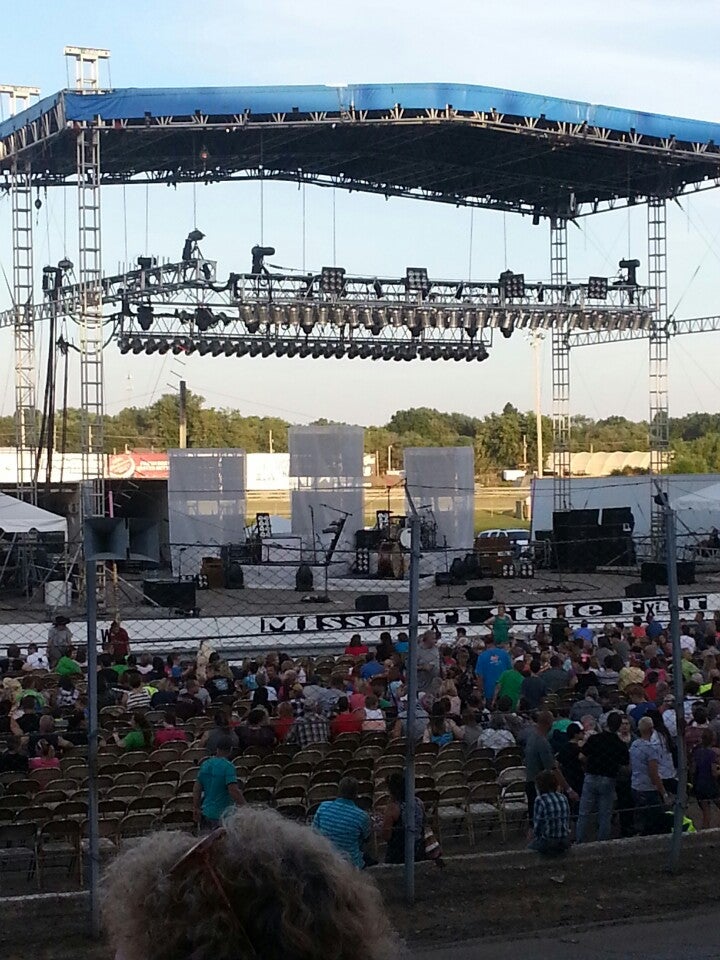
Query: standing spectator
{"x": 393, "y": 826}
{"x": 663, "y": 740}
{"x": 532, "y": 689}
{"x": 202, "y": 660}
{"x": 569, "y": 758}
{"x": 311, "y": 727}
{"x": 489, "y": 667}
{"x": 500, "y": 626}
{"x": 584, "y": 635}
{"x": 428, "y": 662}
{"x": 551, "y": 817}
{"x": 705, "y": 769}
{"x": 216, "y": 788}
{"x": 605, "y": 755}
{"x": 589, "y": 706}
{"x": 345, "y": 825}
{"x": 59, "y": 640}
{"x": 555, "y": 678}
{"x": 510, "y": 683}
{"x": 384, "y": 649}
{"x": 118, "y": 641}
{"x": 559, "y": 627}
{"x": 539, "y": 757}
{"x": 649, "y": 793}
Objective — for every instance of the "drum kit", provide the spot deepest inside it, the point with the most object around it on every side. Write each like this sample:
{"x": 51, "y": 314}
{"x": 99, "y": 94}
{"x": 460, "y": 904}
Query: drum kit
{"x": 394, "y": 548}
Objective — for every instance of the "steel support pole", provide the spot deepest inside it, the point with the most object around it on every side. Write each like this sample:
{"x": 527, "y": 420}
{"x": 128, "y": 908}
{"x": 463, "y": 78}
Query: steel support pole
{"x": 91, "y": 317}
{"x": 24, "y": 331}
{"x": 560, "y": 373}
{"x": 678, "y": 689}
{"x": 412, "y": 693}
{"x": 659, "y": 437}
{"x": 93, "y": 721}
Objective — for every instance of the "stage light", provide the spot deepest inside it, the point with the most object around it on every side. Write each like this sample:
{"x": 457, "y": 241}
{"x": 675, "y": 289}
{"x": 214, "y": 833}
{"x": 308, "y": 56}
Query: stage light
{"x": 162, "y": 347}
{"x": 194, "y": 237}
{"x": 65, "y": 265}
{"x": 280, "y": 348}
{"x": 377, "y": 351}
{"x": 150, "y": 346}
{"x": 459, "y": 291}
{"x": 597, "y": 288}
{"x": 293, "y": 314}
{"x": 388, "y": 352}
{"x": 145, "y": 315}
{"x": 328, "y": 350}
{"x": 146, "y": 263}
{"x": 416, "y": 281}
{"x": 243, "y": 347}
{"x": 124, "y": 345}
{"x": 322, "y": 314}
{"x": 512, "y": 284}
{"x": 203, "y": 347}
{"x": 217, "y": 348}
{"x": 292, "y": 349}
{"x": 207, "y": 271}
{"x": 458, "y": 353}
{"x": 446, "y": 352}
{"x": 255, "y": 348}
{"x": 230, "y": 348}
{"x": 305, "y": 349}
{"x": 409, "y": 351}
{"x": 266, "y": 349}
{"x": 353, "y": 351}
{"x": 204, "y": 319}
{"x": 258, "y": 255}
{"x": 339, "y": 351}
{"x": 332, "y": 281}
{"x": 631, "y": 268}
{"x": 395, "y": 316}
{"x": 137, "y": 346}
{"x": 453, "y": 319}
{"x": 377, "y": 287}
{"x": 470, "y": 322}
{"x": 317, "y": 350}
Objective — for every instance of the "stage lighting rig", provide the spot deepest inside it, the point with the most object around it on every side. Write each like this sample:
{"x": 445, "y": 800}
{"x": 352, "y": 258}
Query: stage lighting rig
{"x": 416, "y": 281}
{"x": 512, "y": 284}
{"x": 629, "y": 280}
{"x": 597, "y": 288}
{"x": 205, "y": 319}
{"x": 145, "y": 315}
{"x": 332, "y": 281}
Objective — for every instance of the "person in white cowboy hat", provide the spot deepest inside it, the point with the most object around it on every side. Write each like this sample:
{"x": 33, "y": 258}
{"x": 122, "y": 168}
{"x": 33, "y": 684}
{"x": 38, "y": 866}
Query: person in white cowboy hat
{"x": 59, "y": 640}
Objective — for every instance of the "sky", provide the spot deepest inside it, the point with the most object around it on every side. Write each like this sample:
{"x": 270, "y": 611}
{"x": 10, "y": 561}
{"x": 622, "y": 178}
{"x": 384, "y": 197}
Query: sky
{"x": 659, "y": 56}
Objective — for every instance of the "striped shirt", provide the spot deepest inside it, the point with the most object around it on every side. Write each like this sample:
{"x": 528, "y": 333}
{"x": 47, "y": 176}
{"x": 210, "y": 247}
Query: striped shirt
{"x": 137, "y": 699}
{"x": 551, "y": 816}
{"x": 345, "y": 825}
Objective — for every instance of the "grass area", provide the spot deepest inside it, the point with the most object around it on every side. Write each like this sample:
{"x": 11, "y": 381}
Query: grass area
{"x": 491, "y": 520}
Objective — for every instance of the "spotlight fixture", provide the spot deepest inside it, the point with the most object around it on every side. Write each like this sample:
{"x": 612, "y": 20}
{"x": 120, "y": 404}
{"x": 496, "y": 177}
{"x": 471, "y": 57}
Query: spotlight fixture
{"x": 416, "y": 281}
{"x": 150, "y": 346}
{"x": 377, "y": 287}
{"x": 597, "y": 288}
{"x": 145, "y": 315}
{"x": 203, "y": 347}
{"x": 65, "y": 265}
{"x": 631, "y": 268}
{"x": 137, "y": 346}
{"x": 146, "y": 263}
{"x": 193, "y": 238}
{"x": 204, "y": 319}
{"x": 124, "y": 345}
{"x": 332, "y": 281}
{"x": 255, "y": 348}
{"x": 217, "y": 348}
{"x": 163, "y": 346}
{"x": 512, "y": 284}
{"x": 258, "y": 255}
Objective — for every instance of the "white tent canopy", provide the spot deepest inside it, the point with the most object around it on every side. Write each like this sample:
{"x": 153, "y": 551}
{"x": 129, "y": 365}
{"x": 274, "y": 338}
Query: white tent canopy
{"x": 16, "y": 516}
{"x": 699, "y": 511}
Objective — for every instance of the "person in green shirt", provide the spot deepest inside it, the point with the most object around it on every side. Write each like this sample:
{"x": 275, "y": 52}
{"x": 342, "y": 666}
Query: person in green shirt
{"x": 67, "y": 667}
{"x": 216, "y": 788}
{"x": 510, "y": 683}
{"x": 500, "y": 625}
{"x": 140, "y": 737}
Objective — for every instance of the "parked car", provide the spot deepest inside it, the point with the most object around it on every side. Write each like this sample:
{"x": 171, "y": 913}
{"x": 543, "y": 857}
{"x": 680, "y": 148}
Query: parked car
{"x": 519, "y": 539}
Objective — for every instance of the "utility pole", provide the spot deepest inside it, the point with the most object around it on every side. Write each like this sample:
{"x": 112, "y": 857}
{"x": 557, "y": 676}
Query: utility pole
{"x": 271, "y": 448}
{"x": 538, "y": 411}
{"x": 182, "y": 426}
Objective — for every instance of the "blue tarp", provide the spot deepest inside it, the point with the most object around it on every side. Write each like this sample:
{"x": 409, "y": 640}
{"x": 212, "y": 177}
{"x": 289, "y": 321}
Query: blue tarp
{"x": 135, "y": 103}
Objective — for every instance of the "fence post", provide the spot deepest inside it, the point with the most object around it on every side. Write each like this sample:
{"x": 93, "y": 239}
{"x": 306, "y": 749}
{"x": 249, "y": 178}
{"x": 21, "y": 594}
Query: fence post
{"x": 678, "y": 690}
{"x": 93, "y": 721}
{"x": 412, "y": 688}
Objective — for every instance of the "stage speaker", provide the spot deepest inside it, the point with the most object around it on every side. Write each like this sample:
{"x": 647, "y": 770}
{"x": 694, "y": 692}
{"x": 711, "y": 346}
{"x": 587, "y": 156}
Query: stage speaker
{"x": 144, "y": 540}
{"x": 636, "y": 590}
{"x": 174, "y": 594}
{"x": 372, "y": 601}
{"x": 618, "y": 516}
{"x": 234, "y": 577}
{"x": 369, "y": 539}
{"x": 654, "y": 572}
{"x": 482, "y": 594}
{"x": 106, "y": 538}
{"x": 443, "y": 579}
{"x": 304, "y": 580}
{"x": 479, "y": 614}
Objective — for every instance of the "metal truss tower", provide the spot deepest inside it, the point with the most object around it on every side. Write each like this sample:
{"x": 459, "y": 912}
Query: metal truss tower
{"x": 659, "y": 339}
{"x": 560, "y": 373}
{"x": 18, "y": 98}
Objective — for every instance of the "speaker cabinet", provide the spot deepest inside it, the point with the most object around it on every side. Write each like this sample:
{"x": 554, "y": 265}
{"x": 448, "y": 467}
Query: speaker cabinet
{"x": 480, "y": 594}
{"x": 106, "y": 538}
{"x": 372, "y": 601}
{"x": 638, "y": 590}
{"x": 173, "y": 594}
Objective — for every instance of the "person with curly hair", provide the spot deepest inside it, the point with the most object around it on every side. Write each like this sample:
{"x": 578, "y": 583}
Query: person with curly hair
{"x": 260, "y": 886}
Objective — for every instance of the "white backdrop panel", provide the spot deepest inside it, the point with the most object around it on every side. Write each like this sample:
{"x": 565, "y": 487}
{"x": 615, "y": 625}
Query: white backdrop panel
{"x": 444, "y": 479}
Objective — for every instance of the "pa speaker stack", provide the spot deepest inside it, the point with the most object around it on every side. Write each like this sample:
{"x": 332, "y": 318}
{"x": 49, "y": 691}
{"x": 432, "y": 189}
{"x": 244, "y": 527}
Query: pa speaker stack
{"x": 652, "y": 572}
{"x": 615, "y": 546}
{"x": 576, "y": 534}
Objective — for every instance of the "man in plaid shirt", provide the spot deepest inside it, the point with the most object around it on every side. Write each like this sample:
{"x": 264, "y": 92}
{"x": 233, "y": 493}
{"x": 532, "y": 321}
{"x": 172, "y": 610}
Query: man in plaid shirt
{"x": 551, "y": 817}
{"x": 311, "y": 728}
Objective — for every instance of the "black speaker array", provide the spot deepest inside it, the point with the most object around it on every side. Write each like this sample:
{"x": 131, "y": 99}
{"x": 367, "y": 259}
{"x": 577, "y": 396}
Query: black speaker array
{"x": 652, "y": 572}
{"x": 372, "y": 601}
{"x": 173, "y": 594}
{"x": 582, "y": 541}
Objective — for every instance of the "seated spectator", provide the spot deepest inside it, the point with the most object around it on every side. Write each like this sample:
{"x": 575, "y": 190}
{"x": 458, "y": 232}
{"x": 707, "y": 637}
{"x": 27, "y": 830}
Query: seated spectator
{"x": 496, "y": 736}
{"x": 145, "y": 666}
{"x": 220, "y": 730}
{"x": 12, "y": 759}
{"x": 140, "y": 736}
{"x": 357, "y": 695}
{"x": 166, "y": 694}
{"x": 393, "y": 825}
{"x": 67, "y": 693}
{"x": 440, "y": 728}
{"x": 44, "y": 758}
{"x": 169, "y": 732}
{"x": 471, "y": 729}
{"x": 402, "y": 644}
{"x": 555, "y": 678}
{"x": 218, "y": 684}
{"x": 328, "y": 909}
{"x": 311, "y": 728}
{"x": 67, "y": 666}
{"x": 551, "y": 817}
{"x": 36, "y": 659}
{"x": 346, "y": 720}
{"x": 589, "y": 706}
{"x": 385, "y": 648}
{"x": 256, "y": 731}
{"x": 46, "y": 731}
{"x": 345, "y": 825}
{"x": 77, "y": 724}
{"x": 373, "y": 718}
{"x": 193, "y": 689}
{"x": 371, "y": 668}
{"x": 449, "y": 690}
{"x": 633, "y": 673}
{"x": 356, "y": 647}
{"x": 283, "y": 721}
{"x": 137, "y": 697}
{"x": 29, "y": 719}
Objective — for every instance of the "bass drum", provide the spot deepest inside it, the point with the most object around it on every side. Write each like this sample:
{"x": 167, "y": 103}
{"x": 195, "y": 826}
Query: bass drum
{"x": 391, "y": 561}
{"x": 405, "y": 538}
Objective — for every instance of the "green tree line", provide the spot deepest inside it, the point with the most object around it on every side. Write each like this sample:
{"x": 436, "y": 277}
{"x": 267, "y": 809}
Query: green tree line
{"x": 503, "y": 440}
